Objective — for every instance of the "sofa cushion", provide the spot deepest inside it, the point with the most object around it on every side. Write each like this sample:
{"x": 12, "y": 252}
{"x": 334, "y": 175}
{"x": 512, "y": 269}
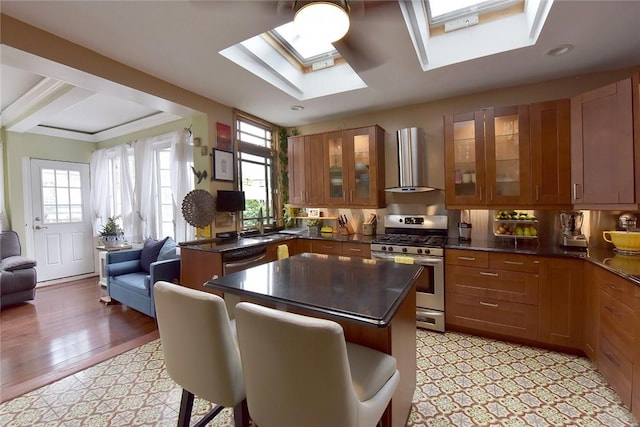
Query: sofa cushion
{"x": 17, "y": 263}
{"x": 122, "y": 267}
{"x": 150, "y": 252}
{"x": 136, "y": 282}
{"x": 168, "y": 250}
{"x": 9, "y": 244}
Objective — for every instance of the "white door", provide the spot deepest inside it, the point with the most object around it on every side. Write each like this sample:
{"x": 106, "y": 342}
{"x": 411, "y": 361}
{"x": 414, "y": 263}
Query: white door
{"x": 62, "y": 233}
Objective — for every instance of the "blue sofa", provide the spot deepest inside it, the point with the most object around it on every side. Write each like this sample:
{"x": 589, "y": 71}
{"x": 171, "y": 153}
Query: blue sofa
{"x": 130, "y": 284}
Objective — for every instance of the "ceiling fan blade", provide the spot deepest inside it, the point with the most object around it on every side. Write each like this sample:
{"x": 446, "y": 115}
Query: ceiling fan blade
{"x": 360, "y": 55}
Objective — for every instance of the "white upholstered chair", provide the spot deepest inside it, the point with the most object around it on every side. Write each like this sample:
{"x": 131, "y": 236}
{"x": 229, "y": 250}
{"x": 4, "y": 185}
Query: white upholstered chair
{"x": 200, "y": 349}
{"x": 299, "y": 371}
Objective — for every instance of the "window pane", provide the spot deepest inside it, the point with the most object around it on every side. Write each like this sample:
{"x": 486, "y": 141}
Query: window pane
{"x": 62, "y": 195}
{"x": 48, "y": 178}
{"x": 167, "y": 229}
{"x": 76, "y": 213}
{"x": 62, "y": 179}
{"x": 63, "y": 213}
{"x": 75, "y": 196}
{"x": 74, "y": 179}
{"x": 167, "y": 213}
{"x": 163, "y": 159}
{"x": 50, "y": 216}
{"x": 49, "y": 196}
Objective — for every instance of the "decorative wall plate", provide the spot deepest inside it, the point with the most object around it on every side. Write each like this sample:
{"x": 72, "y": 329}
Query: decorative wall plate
{"x": 198, "y": 208}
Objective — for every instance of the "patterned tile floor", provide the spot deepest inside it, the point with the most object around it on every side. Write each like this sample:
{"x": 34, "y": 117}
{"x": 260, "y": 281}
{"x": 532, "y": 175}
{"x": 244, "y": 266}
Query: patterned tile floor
{"x": 462, "y": 381}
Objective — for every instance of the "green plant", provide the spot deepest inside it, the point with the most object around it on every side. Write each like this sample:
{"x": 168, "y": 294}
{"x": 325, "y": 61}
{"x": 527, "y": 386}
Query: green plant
{"x": 111, "y": 227}
{"x": 313, "y": 222}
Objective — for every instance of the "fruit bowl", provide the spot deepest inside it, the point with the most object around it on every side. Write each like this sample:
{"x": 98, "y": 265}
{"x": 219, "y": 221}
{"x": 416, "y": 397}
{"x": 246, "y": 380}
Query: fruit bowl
{"x": 516, "y": 229}
{"x": 623, "y": 240}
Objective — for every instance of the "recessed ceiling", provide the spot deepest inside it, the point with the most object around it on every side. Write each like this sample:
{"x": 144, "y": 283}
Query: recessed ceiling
{"x": 179, "y": 41}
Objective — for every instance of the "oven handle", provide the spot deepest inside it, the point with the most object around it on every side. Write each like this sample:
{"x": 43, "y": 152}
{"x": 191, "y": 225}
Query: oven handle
{"x": 429, "y": 261}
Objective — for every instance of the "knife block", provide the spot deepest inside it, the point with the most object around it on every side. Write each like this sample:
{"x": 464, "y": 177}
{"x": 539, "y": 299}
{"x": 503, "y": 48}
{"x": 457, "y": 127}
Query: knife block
{"x": 346, "y": 230}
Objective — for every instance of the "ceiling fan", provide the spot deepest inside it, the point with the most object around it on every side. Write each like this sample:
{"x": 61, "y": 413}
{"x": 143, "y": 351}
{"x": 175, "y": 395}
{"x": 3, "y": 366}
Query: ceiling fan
{"x": 357, "y": 46}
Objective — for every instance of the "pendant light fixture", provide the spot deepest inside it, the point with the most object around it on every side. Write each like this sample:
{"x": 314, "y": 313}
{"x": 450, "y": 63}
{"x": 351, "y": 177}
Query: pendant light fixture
{"x": 326, "y": 21}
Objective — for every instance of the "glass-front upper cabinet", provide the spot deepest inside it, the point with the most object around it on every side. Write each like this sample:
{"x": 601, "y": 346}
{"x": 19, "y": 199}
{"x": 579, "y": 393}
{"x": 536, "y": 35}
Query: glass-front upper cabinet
{"x": 507, "y": 154}
{"x": 487, "y": 158}
{"x": 356, "y": 167}
{"x": 464, "y": 159}
{"x": 334, "y": 146}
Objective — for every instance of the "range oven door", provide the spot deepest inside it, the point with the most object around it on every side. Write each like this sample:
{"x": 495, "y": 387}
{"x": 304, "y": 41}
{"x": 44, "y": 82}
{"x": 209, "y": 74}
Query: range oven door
{"x": 429, "y": 290}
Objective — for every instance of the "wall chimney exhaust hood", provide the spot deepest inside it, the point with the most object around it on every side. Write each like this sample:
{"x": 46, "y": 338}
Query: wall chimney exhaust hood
{"x": 412, "y": 162}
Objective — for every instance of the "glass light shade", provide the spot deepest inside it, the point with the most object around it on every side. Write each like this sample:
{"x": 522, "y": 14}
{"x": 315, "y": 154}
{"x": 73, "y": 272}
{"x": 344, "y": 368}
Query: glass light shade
{"x": 324, "y": 21}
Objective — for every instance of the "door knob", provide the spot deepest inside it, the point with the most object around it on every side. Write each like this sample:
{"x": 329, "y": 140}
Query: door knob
{"x": 38, "y": 227}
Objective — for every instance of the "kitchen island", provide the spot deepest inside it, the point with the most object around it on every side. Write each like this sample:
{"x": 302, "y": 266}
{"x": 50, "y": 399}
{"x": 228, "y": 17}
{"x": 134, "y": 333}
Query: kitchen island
{"x": 374, "y": 301}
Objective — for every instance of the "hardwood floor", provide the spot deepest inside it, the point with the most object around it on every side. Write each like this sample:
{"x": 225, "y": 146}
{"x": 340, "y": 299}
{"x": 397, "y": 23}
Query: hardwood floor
{"x": 65, "y": 329}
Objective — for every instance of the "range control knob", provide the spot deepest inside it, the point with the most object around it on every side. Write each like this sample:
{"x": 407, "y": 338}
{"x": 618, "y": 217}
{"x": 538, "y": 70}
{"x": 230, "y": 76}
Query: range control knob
{"x": 390, "y": 249}
{"x": 384, "y": 248}
{"x": 419, "y": 251}
{"x": 404, "y": 250}
{"x": 427, "y": 251}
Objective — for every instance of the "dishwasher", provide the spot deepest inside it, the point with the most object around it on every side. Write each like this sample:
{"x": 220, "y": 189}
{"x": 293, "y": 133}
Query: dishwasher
{"x": 239, "y": 259}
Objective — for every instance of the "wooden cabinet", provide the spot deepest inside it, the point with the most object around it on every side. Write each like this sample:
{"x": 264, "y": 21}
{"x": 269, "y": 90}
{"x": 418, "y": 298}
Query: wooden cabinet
{"x": 617, "y": 332}
{"x": 603, "y": 151}
{"x": 355, "y": 168}
{"x": 492, "y": 293}
{"x": 328, "y": 247}
{"x": 306, "y": 170}
{"x": 339, "y": 169}
{"x": 362, "y": 250}
{"x": 487, "y": 158}
{"x": 332, "y": 247}
{"x": 198, "y": 266}
{"x": 551, "y": 153}
{"x": 591, "y": 313}
{"x": 561, "y": 306}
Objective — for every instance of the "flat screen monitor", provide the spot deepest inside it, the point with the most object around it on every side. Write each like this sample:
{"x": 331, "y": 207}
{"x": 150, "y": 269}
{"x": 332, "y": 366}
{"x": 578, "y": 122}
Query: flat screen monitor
{"x": 230, "y": 201}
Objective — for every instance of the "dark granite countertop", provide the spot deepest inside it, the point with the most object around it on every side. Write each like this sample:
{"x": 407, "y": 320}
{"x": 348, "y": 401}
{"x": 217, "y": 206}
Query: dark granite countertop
{"x": 346, "y": 288}
{"x": 626, "y": 266}
{"x": 225, "y": 245}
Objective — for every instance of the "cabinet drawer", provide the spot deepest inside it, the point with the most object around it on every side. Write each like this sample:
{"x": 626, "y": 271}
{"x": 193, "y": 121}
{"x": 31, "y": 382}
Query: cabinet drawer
{"x": 617, "y": 287}
{"x": 616, "y": 369}
{"x": 468, "y": 258}
{"x": 356, "y": 249}
{"x": 617, "y": 323}
{"x": 491, "y": 315}
{"x": 326, "y": 247}
{"x": 514, "y": 262}
{"x": 496, "y": 284}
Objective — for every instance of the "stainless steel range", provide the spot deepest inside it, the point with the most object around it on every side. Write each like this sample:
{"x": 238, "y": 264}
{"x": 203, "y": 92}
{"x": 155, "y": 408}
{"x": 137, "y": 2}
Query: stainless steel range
{"x": 421, "y": 238}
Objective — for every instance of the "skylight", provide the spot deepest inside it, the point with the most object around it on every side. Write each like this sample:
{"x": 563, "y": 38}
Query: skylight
{"x": 299, "y": 68}
{"x": 480, "y": 28}
{"x": 305, "y": 50}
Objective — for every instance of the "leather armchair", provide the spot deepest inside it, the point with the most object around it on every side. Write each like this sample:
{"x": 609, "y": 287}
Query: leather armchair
{"x": 18, "y": 276}
{"x": 129, "y": 284}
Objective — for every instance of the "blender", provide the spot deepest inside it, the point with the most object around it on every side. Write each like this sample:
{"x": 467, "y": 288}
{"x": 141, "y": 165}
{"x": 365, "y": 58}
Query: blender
{"x": 571, "y": 224}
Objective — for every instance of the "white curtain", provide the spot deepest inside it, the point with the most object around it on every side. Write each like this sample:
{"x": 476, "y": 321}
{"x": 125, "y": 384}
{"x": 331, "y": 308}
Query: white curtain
{"x": 127, "y": 196}
{"x": 99, "y": 189}
{"x": 181, "y": 158}
{"x": 144, "y": 219}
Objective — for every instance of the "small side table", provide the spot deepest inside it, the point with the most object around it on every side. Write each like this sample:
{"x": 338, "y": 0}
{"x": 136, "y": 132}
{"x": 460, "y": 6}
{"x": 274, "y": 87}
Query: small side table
{"x": 102, "y": 256}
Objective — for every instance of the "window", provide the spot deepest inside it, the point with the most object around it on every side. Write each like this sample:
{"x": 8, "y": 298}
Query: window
{"x": 61, "y": 196}
{"x": 163, "y": 193}
{"x": 256, "y": 170}
{"x": 305, "y": 51}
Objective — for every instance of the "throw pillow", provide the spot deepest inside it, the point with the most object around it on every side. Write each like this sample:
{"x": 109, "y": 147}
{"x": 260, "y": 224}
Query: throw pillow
{"x": 150, "y": 252}
{"x": 168, "y": 250}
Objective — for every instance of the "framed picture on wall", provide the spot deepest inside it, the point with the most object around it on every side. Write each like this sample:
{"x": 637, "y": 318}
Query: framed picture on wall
{"x": 222, "y": 165}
